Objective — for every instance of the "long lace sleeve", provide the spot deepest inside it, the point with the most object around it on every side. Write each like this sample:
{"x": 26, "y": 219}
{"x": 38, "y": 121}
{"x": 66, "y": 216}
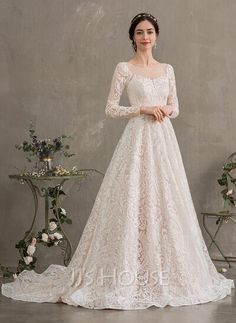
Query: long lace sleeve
{"x": 113, "y": 109}
{"x": 172, "y": 99}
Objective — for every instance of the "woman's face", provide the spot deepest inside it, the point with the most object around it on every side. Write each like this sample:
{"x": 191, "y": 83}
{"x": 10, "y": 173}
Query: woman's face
{"x": 145, "y": 35}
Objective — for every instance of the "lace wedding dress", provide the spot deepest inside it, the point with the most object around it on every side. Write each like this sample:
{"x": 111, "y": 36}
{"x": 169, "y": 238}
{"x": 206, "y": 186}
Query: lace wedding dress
{"x": 142, "y": 244}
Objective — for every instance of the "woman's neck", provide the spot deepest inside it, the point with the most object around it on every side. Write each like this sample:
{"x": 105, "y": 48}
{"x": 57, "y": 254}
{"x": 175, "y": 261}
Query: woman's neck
{"x": 144, "y": 59}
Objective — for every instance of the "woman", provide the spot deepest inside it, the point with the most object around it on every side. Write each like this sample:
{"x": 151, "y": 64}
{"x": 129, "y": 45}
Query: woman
{"x": 142, "y": 244}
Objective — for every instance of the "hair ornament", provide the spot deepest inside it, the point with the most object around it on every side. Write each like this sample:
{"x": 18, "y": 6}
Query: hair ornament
{"x": 144, "y": 15}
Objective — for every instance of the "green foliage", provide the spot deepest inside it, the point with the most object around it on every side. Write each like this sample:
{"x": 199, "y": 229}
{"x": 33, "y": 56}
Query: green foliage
{"x": 59, "y": 217}
{"x": 226, "y": 179}
{"x": 43, "y": 148}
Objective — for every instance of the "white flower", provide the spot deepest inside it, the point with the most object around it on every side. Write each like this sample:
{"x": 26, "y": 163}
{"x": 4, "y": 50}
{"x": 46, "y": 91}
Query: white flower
{"x": 63, "y": 211}
{"x": 14, "y": 276}
{"x": 56, "y": 243}
{"x": 44, "y": 237}
{"x": 51, "y": 236}
{"x": 31, "y": 250}
{"x": 58, "y": 236}
{"x": 230, "y": 192}
{"x": 52, "y": 225}
{"x": 223, "y": 270}
{"x": 33, "y": 242}
{"x": 28, "y": 260}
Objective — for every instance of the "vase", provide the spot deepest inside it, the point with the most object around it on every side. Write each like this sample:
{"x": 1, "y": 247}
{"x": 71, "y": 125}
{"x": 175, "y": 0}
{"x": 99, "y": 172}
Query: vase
{"x": 47, "y": 163}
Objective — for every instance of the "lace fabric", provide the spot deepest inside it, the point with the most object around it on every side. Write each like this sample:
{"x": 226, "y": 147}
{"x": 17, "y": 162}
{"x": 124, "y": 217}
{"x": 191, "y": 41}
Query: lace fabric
{"x": 151, "y": 72}
{"x": 148, "y": 95}
{"x": 142, "y": 244}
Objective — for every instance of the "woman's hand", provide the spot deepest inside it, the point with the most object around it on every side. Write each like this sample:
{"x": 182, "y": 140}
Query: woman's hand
{"x": 167, "y": 110}
{"x": 158, "y": 112}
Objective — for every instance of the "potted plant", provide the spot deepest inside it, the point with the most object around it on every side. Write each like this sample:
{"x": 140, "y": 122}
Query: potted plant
{"x": 44, "y": 149}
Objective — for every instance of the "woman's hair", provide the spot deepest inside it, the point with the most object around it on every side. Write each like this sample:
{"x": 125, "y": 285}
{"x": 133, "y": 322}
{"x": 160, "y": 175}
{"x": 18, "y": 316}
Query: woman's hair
{"x": 136, "y": 20}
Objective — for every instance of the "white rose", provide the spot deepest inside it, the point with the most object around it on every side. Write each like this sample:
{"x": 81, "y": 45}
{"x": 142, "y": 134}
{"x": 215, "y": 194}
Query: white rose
{"x": 34, "y": 241}
{"x": 58, "y": 236}
{"x": 44, "y": 237}
{"x": 52, "y": 225}
{"x": 28, "y": 260}
{"x": 63, "y": 211}
{"x": 223, "y": 270}
{"x": 14, "y": 276}
{"x": 230, "y": 192}
{"x": 31, "y": 250}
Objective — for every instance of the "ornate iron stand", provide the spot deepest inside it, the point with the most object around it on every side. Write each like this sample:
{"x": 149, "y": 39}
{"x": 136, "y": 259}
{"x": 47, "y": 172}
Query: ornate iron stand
{"x": 222, "y": 218}
{"x": 33, "y": 183}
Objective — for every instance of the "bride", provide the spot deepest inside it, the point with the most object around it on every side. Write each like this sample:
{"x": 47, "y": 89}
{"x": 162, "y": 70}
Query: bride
{"x": 142, "y": 245}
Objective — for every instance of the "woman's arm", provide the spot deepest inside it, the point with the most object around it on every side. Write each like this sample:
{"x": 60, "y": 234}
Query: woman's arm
{"x": 113, "y": 109}
{"x": 172, "y": 100}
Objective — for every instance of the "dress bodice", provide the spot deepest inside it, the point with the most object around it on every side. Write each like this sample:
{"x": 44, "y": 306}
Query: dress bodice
{"x": 147, "y": 91}
{"x": 141, "y": 90}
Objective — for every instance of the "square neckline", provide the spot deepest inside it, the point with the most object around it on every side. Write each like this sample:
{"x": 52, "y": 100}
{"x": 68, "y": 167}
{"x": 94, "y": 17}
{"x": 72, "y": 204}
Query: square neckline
{"x": 164, "y": 75}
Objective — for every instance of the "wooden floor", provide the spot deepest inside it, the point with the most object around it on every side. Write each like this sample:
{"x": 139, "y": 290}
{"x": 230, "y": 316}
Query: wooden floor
{"x": 223, "y": 311}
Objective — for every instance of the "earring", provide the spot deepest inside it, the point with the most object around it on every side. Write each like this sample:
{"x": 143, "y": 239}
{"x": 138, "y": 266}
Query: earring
{"x": 155, "y": 45}
{"x": 134, "y": 45}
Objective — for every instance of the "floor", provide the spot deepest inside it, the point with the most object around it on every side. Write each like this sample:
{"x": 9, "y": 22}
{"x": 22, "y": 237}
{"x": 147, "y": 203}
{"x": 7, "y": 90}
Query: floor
{"x": 223, "y": 311}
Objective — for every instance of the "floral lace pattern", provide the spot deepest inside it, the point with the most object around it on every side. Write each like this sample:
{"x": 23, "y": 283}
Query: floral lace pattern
{"x": 142, "y": 91}
{"x": 142, "y": 244}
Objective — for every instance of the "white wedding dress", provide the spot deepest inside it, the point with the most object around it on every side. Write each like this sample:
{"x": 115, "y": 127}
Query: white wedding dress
{"x": 142, "y": 244}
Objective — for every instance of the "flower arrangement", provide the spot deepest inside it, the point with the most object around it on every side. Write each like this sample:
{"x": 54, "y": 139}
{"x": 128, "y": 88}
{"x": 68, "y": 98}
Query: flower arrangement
{"x": 58, "y": 170}
{"x": 43, "y": 148}
{"x": 227, "y": 178}
{"x": 53, "y": 233}
{"x": 50, "y": 236}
